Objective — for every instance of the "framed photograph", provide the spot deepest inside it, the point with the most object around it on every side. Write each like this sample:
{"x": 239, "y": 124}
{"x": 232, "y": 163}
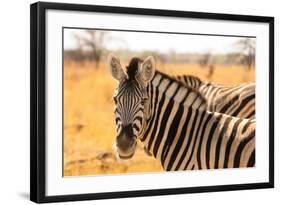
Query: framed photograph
{"x": 129, "y": 102}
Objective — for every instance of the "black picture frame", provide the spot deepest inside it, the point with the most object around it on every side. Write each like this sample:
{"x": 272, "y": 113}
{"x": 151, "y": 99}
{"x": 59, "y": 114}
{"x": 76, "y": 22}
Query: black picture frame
{"x": 38, "y": 100}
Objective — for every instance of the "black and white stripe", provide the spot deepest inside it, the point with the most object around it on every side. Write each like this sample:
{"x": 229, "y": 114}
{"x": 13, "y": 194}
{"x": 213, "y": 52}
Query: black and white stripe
{"x": 236, "y": 101}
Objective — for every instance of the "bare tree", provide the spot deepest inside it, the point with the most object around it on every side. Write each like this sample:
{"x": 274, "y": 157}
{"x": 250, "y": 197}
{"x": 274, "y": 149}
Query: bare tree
{"x": 247, "y": 52}
{"x": 211, "y": 69}
{"x": 207, "y": 61}
{"x": 94, "y": 42}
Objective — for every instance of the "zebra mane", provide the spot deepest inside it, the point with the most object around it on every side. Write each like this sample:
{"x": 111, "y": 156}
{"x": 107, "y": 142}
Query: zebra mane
{"x": 132, "y": 68}
{"x": 187, "y": 77}
{"x": 181, "y": 84}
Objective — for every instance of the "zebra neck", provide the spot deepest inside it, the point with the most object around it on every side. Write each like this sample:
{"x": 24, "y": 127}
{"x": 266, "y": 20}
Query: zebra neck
{"x": 164, "y": 92}
{"x": 170, "y": 104}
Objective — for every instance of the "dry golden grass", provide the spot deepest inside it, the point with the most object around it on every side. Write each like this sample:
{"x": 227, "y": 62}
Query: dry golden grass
{"x": 89, "y": 127}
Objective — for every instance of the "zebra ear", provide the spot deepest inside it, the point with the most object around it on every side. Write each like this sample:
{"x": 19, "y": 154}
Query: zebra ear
{"x": 115, "y": 68}
{"x": 147, "y": 69}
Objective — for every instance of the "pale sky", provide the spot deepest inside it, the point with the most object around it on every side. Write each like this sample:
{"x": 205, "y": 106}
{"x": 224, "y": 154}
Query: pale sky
{"x": 163, "y": 43}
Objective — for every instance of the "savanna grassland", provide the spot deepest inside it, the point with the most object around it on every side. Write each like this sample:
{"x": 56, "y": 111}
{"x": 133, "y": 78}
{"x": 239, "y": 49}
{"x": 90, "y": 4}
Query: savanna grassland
{"x": 89, "y": 126}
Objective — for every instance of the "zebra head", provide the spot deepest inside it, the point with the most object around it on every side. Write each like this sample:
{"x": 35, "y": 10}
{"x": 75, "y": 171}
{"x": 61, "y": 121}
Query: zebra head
{"x": 131, "y": 101}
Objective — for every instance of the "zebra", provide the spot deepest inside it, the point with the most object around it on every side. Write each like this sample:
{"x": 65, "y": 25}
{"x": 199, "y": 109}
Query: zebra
{"x": 236, "y": 101}
{"x": 172, "y": 122}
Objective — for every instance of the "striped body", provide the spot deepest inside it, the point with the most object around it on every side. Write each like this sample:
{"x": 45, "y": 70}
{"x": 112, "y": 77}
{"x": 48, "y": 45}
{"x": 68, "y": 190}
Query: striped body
{"x": 183, "y": 135}
{"x": 236, "y": 101}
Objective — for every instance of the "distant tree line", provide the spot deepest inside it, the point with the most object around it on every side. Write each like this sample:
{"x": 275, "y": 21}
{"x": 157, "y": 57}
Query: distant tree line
{"x": 80, "y": 55}
{"x": 91, "y": 47}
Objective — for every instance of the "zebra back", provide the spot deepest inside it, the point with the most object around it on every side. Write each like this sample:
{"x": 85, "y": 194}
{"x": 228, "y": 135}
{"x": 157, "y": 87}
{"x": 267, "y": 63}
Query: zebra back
{"x": 237, "y": 100}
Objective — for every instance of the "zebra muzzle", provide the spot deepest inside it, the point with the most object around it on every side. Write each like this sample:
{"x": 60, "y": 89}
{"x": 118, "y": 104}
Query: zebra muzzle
{"x": 125, "y": 143}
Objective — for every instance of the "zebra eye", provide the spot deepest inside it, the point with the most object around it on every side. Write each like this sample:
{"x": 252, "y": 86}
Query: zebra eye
{"x": 142, "y": 101}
